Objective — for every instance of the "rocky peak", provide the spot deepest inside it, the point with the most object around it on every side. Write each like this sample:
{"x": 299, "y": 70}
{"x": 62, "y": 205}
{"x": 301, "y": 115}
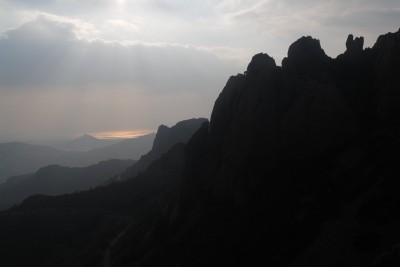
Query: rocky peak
{"x": 354, "y": 45}
{"x": 306, "y": 56}
{"x": 180, "y": 133}
{"x": 162, "y": 131}
{"x": 305, "y": 50}
{"x": 260, "y": 64}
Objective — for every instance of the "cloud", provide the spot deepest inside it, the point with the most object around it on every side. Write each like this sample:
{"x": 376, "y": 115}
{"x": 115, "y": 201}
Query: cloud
{"x": 51, "y": 52}
{"x": 119, "y": 24}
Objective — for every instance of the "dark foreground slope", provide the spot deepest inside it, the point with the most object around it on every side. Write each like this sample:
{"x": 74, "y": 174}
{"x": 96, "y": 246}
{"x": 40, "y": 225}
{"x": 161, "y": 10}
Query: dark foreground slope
{"x": 297, "y": 167}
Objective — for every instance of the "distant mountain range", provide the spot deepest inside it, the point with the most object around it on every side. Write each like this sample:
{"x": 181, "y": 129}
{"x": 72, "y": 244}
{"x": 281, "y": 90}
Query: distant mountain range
{"x": 57, "y": 180}
{"x": 21, "y": 158}
{"x": 85, "y": 143}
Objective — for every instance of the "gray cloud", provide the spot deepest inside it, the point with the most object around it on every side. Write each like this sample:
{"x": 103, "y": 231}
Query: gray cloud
{"x": 46, "y": 53}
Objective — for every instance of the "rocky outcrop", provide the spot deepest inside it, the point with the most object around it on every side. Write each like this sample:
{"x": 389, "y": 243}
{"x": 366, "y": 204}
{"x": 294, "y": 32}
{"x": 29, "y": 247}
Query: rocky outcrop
{"x": 306, "y": 57}
{"x": 260, "y": 64}
{"x": 287, "y": 150}
{"x": 354, "y": 46}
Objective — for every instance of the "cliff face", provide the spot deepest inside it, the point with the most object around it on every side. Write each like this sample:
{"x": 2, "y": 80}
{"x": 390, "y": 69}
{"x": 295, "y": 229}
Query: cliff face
{"x": 292, "y": 155}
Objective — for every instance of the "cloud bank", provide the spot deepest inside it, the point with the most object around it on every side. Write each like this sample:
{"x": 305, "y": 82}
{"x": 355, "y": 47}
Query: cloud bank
{"x": 49, "y": 53}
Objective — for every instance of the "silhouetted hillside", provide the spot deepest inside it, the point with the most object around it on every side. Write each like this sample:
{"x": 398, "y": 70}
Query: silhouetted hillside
{"x": 57, "y": 180}
{"x": 298, "y": 166}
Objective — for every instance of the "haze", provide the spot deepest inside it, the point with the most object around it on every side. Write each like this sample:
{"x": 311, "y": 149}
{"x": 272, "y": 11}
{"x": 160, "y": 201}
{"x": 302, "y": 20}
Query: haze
{"x": 74, "y": 67}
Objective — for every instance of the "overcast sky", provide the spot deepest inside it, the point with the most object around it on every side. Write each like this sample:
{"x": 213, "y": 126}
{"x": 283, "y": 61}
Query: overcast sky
{"x": 69, "y": 67}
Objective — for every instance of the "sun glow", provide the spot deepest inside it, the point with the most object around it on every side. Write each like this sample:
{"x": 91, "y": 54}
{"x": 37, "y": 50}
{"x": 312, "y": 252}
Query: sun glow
{"x": 121, "y": 134}
{"x": 120, "y": 2}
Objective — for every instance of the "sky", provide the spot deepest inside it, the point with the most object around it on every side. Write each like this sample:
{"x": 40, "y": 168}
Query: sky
{"x": 70, "y": 67}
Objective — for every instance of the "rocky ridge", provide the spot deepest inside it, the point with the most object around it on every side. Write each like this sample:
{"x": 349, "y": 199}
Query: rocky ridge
{"x": 292, "y": 156}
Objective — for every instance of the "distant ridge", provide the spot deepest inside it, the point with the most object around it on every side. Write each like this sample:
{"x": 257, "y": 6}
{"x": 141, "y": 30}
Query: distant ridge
{"x": 21, "y": 158}
{"x": 86, "y": 142}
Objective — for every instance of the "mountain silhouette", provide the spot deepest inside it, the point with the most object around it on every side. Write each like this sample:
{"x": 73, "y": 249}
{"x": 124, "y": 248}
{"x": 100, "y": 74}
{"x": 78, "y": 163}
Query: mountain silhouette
{"x": 298, "y": 166}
